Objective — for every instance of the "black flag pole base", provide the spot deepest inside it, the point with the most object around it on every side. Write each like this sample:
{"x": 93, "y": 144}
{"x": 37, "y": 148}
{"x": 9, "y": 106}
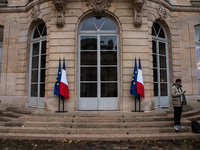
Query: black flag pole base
{"x": 136, "y": 106}
{"x": 61, "y": 111}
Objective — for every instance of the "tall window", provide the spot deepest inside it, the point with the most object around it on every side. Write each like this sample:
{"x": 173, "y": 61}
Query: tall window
{"x": 98, "y": 64}
{"x": 160, "y": 66}
{"x": 1, "y": 47}
{"x": 197, "y": 41}
{"x": 37, "y": 66}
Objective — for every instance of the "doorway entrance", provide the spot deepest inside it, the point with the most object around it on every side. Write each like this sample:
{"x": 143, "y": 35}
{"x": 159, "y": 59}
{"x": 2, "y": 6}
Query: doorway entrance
{"x": 98, "y": 64}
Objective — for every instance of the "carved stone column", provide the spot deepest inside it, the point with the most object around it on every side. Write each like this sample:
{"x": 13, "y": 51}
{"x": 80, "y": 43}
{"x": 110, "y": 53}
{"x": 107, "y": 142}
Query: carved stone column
{"x": 99, "y": 5}
{"x": 60, "y": 17}
{"x": 137, "y": 7}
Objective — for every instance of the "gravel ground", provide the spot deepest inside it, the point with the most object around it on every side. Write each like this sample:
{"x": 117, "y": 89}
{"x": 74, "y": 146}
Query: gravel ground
{"x": 81, "y": 145}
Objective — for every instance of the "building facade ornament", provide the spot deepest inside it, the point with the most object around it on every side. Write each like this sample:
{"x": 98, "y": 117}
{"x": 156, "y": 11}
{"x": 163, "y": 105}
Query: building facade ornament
{"x": 35, "y": 12}
{"x": 99, "y": 5}
{"x": 137, "y": 7}
{"x": 162, "y": 11}
{"x": 60, "y": 6}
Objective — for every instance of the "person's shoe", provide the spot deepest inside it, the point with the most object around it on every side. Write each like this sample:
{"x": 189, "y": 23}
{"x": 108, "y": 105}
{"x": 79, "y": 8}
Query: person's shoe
{"x": 181, "y": 126}
{"x": 176, "y": 127}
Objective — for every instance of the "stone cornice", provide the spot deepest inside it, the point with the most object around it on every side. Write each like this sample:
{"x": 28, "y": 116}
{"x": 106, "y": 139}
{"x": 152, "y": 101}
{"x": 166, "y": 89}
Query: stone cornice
{"x": 175, "y": 8}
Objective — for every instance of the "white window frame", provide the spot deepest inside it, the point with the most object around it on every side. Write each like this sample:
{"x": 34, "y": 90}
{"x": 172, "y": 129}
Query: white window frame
{"x": 98, "y": 34}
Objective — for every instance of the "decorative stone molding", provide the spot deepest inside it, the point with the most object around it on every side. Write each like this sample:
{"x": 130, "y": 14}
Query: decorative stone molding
{"x": 162, "y": 11}
{"x": 60, "y": 6}
{"x": 35, "y": 12}
{"x": 99, "y": 5}
{"x": 137, "y": 7}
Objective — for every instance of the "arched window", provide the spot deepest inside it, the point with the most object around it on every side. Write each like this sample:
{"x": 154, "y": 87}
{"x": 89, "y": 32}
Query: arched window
{"x": 160, "y": 66}
{"x": 98, "y": 55}
{"x": 37, "y": 67}
{"x": 197, "y": 41}
{"x": 1, "y": 46}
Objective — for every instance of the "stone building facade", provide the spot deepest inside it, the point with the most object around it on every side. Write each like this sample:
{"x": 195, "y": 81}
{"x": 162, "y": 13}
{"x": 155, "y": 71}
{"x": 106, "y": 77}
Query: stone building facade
{"x": 99, "y": 40}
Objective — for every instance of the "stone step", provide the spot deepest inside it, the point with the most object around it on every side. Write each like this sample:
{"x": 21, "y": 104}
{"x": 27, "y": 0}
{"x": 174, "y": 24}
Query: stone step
{"x": 100, "y": 124}
{"x": 95, "y": 119}
{"x": 25, "y": 111}
{"x": 191, "y": 113}
{"x": 5, "y": 119}
{"x": 194, "y": 118}
{"x": 102, "y": 137}
{"x": 53, "y": 130}
{"x": 104, "y": 114}
{"x": 10, "y": 114}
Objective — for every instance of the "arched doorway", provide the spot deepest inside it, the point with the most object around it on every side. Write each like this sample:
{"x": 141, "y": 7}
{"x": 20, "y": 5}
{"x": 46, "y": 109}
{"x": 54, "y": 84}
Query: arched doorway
{"x": 98, "y": 64}
{"x": 160, "y": 66}
{"x": 37, "y": 66}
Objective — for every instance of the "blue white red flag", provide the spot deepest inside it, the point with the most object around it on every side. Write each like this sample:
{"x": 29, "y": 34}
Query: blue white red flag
{"x": 134, "y": 82}
{"x": 140, "y": 84}
{"x": 57, "y": 84}
{"x": 64, "y": 91}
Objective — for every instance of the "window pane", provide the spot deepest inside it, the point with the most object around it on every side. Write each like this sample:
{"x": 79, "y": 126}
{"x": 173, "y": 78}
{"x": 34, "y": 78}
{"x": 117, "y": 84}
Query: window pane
{"x": 35, "y": 62}
{"x": 88, "y": 26}
{"x": 109, "y": 90}
{"x": 41, "y": 28}
{"x": 88, "y": 43}
{"x": 36, "y": 34}
{"x": 88, "y": 74}
{"x": 42, "y": 75}
{"x": 34, "y": 90}
{"x": 155, "y": 75}
{"x": 109, "y": 58}
{"x": 199, "y": 86}
{"x": 108, "y": 73}
{"x": 162, "y": 49}
{"x": 161, "y": 34}
{"x": 35, "y": 49}
{"x": 109, "y": 25}
{"x": 163, "y": 62}
{"x": 198, "y": 71}
{"x": 88, "y": 58}
{"x": 88, "y": 90}
{"x": 154, "y": 46}
{"x": 157, "y": 28}
{"x": 108, "y": 43}
{"x": 155, "y": 61}
{"x": 42, "y": 90}
{"x": 163, "y": 75}
{"x": 163, "y": 89}
{"x": 98, "y": 21}
{"x": 34, "y": 76}
{"x": 155, "y": 89}
{"x": 1, "y": 33}
{"x": 43, "y": 61}
{"x": 44, "y": 47}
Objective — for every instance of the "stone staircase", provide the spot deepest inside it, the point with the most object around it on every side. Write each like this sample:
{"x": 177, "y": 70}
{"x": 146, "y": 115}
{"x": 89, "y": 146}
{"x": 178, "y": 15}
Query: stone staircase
{"x": 37, "y": 124}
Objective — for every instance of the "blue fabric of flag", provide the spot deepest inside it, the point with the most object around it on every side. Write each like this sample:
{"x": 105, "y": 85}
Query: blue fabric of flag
{"x": 134, "y": 82}
{"x": 57, "y": 84}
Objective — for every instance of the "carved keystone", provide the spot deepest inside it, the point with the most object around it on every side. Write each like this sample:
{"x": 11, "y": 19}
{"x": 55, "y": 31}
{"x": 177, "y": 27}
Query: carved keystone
{"x": 99, "y": 5}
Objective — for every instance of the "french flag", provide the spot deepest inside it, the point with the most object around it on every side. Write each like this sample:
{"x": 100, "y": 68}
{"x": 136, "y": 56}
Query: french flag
{"x": 140, "y": 84}
{"x": 64, "y": 91}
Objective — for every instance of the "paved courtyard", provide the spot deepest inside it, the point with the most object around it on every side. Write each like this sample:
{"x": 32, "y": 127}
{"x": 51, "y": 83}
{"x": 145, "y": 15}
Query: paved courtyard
{"x": 81, "y": 145}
